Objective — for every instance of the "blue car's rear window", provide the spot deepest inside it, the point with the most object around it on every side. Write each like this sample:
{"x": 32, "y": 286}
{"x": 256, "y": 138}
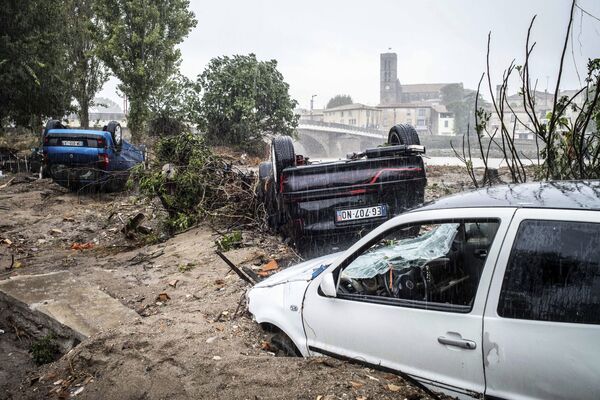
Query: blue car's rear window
{"x": 73, "y": 141}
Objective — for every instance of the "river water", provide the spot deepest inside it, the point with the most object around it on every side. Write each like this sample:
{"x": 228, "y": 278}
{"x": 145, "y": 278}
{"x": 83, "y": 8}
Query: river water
{"x": 453, "y": 161}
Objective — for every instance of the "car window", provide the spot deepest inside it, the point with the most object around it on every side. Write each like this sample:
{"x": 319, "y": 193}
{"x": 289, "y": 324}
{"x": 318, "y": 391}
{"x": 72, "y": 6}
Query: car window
{"x": 421, "y": 265}
{"x": 553, "y": 273}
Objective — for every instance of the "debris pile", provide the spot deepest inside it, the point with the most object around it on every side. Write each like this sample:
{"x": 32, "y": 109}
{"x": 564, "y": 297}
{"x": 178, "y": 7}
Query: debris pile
{"x": 192, "y": 183}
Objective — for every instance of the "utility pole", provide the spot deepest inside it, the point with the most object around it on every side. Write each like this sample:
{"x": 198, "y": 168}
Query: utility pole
{"x": 312, "y": 103}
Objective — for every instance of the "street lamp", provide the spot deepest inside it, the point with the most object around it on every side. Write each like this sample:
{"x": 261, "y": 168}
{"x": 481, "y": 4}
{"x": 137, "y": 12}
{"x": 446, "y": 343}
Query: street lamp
{"x": 312, "y": 102}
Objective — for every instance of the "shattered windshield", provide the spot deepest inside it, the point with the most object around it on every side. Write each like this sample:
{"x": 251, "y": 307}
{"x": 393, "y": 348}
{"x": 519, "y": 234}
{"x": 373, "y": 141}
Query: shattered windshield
{"x": 403, "y": 253}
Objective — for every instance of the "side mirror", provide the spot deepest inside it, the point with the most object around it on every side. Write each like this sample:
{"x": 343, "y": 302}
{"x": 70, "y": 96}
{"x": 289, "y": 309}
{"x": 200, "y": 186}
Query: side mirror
{"x": 327, "y": 285}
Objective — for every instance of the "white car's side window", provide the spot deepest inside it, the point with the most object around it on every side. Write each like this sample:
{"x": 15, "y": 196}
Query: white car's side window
{"x": 434, "y": 263}
{"x": 553, "y": 273}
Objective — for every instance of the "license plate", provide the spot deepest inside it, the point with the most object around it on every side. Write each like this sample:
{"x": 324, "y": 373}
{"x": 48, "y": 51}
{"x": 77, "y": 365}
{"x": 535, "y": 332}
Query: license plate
{"x": 360, "y": 213}
{"x": 72, "y": 143}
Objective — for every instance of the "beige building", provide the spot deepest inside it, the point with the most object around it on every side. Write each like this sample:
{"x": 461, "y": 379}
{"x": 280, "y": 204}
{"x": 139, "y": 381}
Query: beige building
{"x": 428, "y": 119}
{"x": 358, "y": 115}
{"x": 309, "y": 115}
{"x": 520, "y": 121}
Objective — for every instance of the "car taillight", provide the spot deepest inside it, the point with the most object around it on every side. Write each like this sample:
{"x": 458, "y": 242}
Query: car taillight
{"x": 101, "y": 142}
{"x": 103, "y": 160}
{"x": 46, "y": 140}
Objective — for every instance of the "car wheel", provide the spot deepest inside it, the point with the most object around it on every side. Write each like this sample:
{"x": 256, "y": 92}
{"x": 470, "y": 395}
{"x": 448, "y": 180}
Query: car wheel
{"x": 116, "y": 132}
{"x": 274, "y": 217}
{"x": 52, "y": 124}
{"x": 282, "y": 155}
{"x": 265, "y": 170}
{"x": 284, "y": 346}
{"x": 403, "y": 134}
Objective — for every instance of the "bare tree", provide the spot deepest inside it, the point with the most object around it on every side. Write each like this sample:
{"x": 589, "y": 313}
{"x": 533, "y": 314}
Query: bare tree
{"x": 567, "y": 148}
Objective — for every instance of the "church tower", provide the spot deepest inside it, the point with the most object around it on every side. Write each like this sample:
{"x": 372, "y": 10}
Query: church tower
{"x": 389, "y": 89}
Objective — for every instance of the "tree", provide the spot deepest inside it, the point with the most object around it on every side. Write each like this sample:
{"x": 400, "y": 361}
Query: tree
{"x": 138, "y": 39}
{"x": 243, "y": 100}
{"x": 461, "y": 103}
{"x": 174, "y": 106}
{"x": 33, "y": 62}
{"x": 88, "y": 73}
{"x": 339, "y": 100}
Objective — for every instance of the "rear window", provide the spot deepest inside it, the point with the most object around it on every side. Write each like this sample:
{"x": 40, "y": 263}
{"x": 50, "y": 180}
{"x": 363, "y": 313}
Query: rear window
{"x": 553, "y": 273}
{"x": 75, "y": 141}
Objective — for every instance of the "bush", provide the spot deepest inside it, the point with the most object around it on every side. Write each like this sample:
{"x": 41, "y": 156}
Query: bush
{"x": 44, "y": 350}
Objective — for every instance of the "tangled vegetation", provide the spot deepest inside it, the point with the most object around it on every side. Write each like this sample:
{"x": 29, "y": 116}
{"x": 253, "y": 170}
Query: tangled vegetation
{"x": 193, "y": 183}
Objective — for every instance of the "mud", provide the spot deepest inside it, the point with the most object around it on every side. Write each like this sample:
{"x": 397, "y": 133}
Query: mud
{"x": 197, "y": 343}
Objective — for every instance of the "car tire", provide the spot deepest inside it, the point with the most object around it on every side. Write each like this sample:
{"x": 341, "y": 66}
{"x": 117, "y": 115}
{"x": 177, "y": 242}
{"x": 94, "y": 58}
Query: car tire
{"x": 52, "y": 124}
{"x": 265, "y": 170}
{"x": 116, "y": 133}
{"x": 403, "y": 134}
{"x": 283, "y": 345}
{"x": 274, "y": 216}
{"x": 282, "y": 154}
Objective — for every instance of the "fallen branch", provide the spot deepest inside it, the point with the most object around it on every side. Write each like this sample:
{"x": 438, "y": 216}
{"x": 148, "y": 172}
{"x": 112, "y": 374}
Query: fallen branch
{"x": 7, "y": 184}
{"x": 245, "y": 277}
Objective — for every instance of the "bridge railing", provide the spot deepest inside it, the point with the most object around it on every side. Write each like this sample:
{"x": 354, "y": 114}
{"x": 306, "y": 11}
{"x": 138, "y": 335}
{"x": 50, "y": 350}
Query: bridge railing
{"x": 334, "y": 127}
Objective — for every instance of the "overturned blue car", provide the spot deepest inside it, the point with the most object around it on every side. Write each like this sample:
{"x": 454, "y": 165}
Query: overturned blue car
{"x": 89, "y": 159}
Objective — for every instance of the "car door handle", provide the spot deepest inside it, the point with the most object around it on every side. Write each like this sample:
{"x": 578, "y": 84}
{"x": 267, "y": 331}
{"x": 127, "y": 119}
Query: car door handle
{"x": 462, "y": 343}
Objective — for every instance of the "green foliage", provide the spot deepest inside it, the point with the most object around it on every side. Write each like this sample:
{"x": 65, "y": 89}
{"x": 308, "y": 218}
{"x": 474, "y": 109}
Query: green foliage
{"x": 572, "y": 145}
{"x": 173, "y": 107}
{"x": 243, "y": 100}
{"x": 138, "y": 43}
{"x": 461, "y": 102}
{"x": 339, "y": 100}
{"x": 193, "y": 183}
{"x": 34, "y": 81}
{"x": 229, "y": 241}
{"x": 87, "y": 72}
{"x": 44, "y": 350}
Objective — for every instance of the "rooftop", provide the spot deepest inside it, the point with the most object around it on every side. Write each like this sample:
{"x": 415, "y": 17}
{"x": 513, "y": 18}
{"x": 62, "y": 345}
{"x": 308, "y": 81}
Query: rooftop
{"x": 573, "y": 195}
{"x": 353, "y": 106}
{"x": 425, "y": 87}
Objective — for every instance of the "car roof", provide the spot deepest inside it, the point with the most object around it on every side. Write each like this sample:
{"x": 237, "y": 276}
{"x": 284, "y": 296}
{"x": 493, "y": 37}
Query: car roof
{"x": 573, "y": 195}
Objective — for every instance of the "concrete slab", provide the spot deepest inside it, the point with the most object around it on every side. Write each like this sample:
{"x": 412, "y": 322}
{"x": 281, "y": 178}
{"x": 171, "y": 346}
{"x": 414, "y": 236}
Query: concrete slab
{"x": 62, "y": 301}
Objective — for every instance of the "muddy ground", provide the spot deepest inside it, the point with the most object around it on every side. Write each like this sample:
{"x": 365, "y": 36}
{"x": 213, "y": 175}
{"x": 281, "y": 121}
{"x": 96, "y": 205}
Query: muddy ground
{"x": 200, "y": 343}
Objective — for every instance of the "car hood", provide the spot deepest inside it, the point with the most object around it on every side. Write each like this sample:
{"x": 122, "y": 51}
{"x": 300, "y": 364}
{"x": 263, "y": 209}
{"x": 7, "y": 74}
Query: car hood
{"x": 305, "y": 271}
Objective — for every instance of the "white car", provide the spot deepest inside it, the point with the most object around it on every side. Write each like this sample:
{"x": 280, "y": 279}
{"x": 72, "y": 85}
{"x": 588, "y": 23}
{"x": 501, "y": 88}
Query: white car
{"x": 493, "y": 293}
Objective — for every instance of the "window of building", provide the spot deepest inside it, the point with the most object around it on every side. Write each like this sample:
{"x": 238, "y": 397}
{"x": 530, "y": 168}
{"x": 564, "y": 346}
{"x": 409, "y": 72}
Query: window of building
{"x": 428, "y": 265}
{"x": 421, "y": 122}
{"x": 352, "y": 121}
{"x": 407, "y": 112}
{"x": 445, "y": 123}
{"x": 553, "y": 273}
{"x": 421, "y": 112}
{"x": 342, "y": 113}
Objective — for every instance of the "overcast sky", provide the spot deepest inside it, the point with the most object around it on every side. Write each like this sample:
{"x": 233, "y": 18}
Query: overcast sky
{"x": 328, "y": 47}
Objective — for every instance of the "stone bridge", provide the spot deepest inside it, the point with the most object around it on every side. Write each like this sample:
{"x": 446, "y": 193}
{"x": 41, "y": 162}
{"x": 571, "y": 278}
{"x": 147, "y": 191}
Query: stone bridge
{"x": 329, "y": 140}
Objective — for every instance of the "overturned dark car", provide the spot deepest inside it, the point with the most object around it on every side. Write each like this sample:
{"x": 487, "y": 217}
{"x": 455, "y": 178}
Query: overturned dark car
{"x": 307, "y": 201}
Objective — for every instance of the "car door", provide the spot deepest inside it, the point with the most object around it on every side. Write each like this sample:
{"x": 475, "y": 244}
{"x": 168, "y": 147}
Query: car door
{"x": 431, "y": 334}
{"x": 542, "y": 321}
